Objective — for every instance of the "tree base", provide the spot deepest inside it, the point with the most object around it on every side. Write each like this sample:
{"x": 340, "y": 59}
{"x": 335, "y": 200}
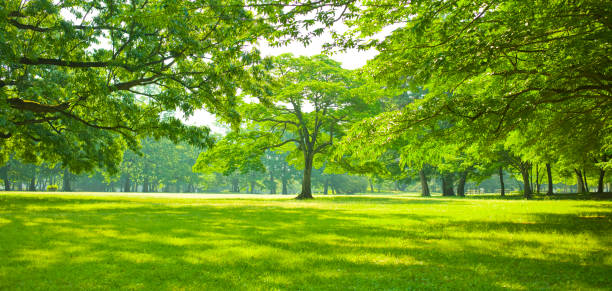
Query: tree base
{"x": 303, "y": 196}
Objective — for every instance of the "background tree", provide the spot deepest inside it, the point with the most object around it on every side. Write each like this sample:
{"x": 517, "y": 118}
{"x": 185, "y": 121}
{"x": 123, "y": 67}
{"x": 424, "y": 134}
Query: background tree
{"x": 312, "y": 104}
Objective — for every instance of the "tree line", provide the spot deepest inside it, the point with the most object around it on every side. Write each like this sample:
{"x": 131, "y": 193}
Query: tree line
{"x": 459, "y": 89}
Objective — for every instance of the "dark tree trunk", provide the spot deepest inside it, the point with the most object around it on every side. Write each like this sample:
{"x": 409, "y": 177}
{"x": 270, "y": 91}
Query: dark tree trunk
{"x": 306, "y": 185}
{"x": 579, "y": 182}
{"x": 600, "y": 183}
{"x": 447, "y": 185}
{"x": 127, "y": 184}
{"x": 235, "y": 186}
{"x": 537, "y": 180}
{"x": 371, "y": 185}
{"x": 525, "y": 167}
{"x": 32, "y": 186}
{"x": 326, "y": 185}
{"x": 501, "y": 181}
{"x": 285, "y": 182}
{"x": 550, "y": 183}
{"x": 424, "y": 187}
{"x": 4, "y": 176}
{"x": 252, "y": 190}
{"x": 461, "y": 184}
{"x": 272, "y": 185}
{"x": 145, "y": 185}
{"x": 67, "y": 186}
{"x": 586, "y": 184}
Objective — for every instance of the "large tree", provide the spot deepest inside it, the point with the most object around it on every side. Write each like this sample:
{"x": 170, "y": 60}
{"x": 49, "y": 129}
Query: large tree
{"x": 81, "y": 79}
{"x": 310, "y": 104}
{"x": 493, "y": 69}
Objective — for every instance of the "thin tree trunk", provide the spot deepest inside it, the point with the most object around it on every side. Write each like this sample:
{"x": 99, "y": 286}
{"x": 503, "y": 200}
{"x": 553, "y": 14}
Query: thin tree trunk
{"x": 285, "y": 191}
{"x": 525, "y": 167}
{"x": 501, "y": 181}
{"x": 235, "y": 186}
{"x": 537, "y": 179}
{"x": 461, "y": 184}
{"x": 127, "y": 184}
{"x": 306, "y": 185}
{"x": 371, "y": 186}
{"x": 326, "y": 185}
{"x": 600, "y": 183}
{"x": 424, "y": 186}
{"x": 550, "y": 182}
{"x": 586, "y": 184}
{"x": 145, "y": 185}
{"x": 252, "y": 191}
{"x": 272, "y": 185}
{"x": 32, "y": 186}
{"x": 4, "y": 176}
{"x": 579, "y": 182}
{"x": 66, "y": 186}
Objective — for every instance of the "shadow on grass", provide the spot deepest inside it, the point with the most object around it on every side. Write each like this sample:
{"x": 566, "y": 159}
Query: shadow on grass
{"x": 556, "y": 196}
{"x": 383, "y": 200}
{"x": 84, "y": 244}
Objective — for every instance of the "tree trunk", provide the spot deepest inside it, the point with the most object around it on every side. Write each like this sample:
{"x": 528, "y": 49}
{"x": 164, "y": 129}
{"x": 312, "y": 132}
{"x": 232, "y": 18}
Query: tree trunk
{"x": 306, "y": 186}
{"x": 285, "y": 182}
{"x": 501, "y": 181}
{"x": 326, "y": 185}
{"x": 5, "y": 178}
{"x": 447, "y": 185}
{"x": 127, "y": 184}
{"x": 235, "y": 186}
{"x": 461, "y": 184}
{"x": 424, "y": 187}
{"x": 579, "y": 182}
{"x": 67, "y": 186}
{"x": 252, "y": 190}
{"x": 371, "y": 185}
{"x": 145, "y": 185}
{"x": 600, "y": 183}
{"x": 537, "y": 180}
{"x": 525, "y": 167}
{"x": 32, "y": 186}
{"x": 550, "y": 183}
{"x": 272, "y": 185}
{"x": 586, "y": 184}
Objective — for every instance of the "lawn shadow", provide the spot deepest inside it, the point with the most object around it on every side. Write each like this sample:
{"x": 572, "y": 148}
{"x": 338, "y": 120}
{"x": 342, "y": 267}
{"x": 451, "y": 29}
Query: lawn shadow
{"x": 142, "y": 245}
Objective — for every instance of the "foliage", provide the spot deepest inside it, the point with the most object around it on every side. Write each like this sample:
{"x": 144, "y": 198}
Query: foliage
{"x": 52, "y": 187}
{"x": 81, "y": 79}
{"x": 311, "y": 102}
{"x": 534, "y": 76}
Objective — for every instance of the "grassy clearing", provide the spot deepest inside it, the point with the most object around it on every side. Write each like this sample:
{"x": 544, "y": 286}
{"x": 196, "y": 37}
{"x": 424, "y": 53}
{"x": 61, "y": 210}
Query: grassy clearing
{"x": 368, "y": 243}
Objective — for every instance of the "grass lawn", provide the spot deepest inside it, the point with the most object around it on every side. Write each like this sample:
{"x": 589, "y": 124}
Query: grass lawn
{"x": 367, "y": 243}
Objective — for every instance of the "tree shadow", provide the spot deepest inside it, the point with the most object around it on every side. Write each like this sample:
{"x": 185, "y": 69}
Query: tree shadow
{"x": 151, "y": 245}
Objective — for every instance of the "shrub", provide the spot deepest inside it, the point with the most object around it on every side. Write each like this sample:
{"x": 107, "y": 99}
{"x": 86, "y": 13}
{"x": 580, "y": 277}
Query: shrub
{"x": 52, "y": 188}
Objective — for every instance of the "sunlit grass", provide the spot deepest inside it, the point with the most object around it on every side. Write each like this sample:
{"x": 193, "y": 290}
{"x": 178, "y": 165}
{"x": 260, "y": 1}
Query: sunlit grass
{"x": 368, "y": 243}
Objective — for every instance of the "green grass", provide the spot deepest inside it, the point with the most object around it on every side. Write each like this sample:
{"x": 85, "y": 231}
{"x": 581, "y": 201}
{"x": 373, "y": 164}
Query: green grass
{"x": 367, "y": 243}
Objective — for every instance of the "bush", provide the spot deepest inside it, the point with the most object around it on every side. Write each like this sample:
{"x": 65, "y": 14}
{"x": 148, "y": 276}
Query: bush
{"x": 52, "y": 188}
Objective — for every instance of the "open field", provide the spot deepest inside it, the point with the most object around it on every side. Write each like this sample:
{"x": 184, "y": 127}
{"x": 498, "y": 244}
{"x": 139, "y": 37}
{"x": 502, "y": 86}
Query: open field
{"x": 378, "y": 242}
